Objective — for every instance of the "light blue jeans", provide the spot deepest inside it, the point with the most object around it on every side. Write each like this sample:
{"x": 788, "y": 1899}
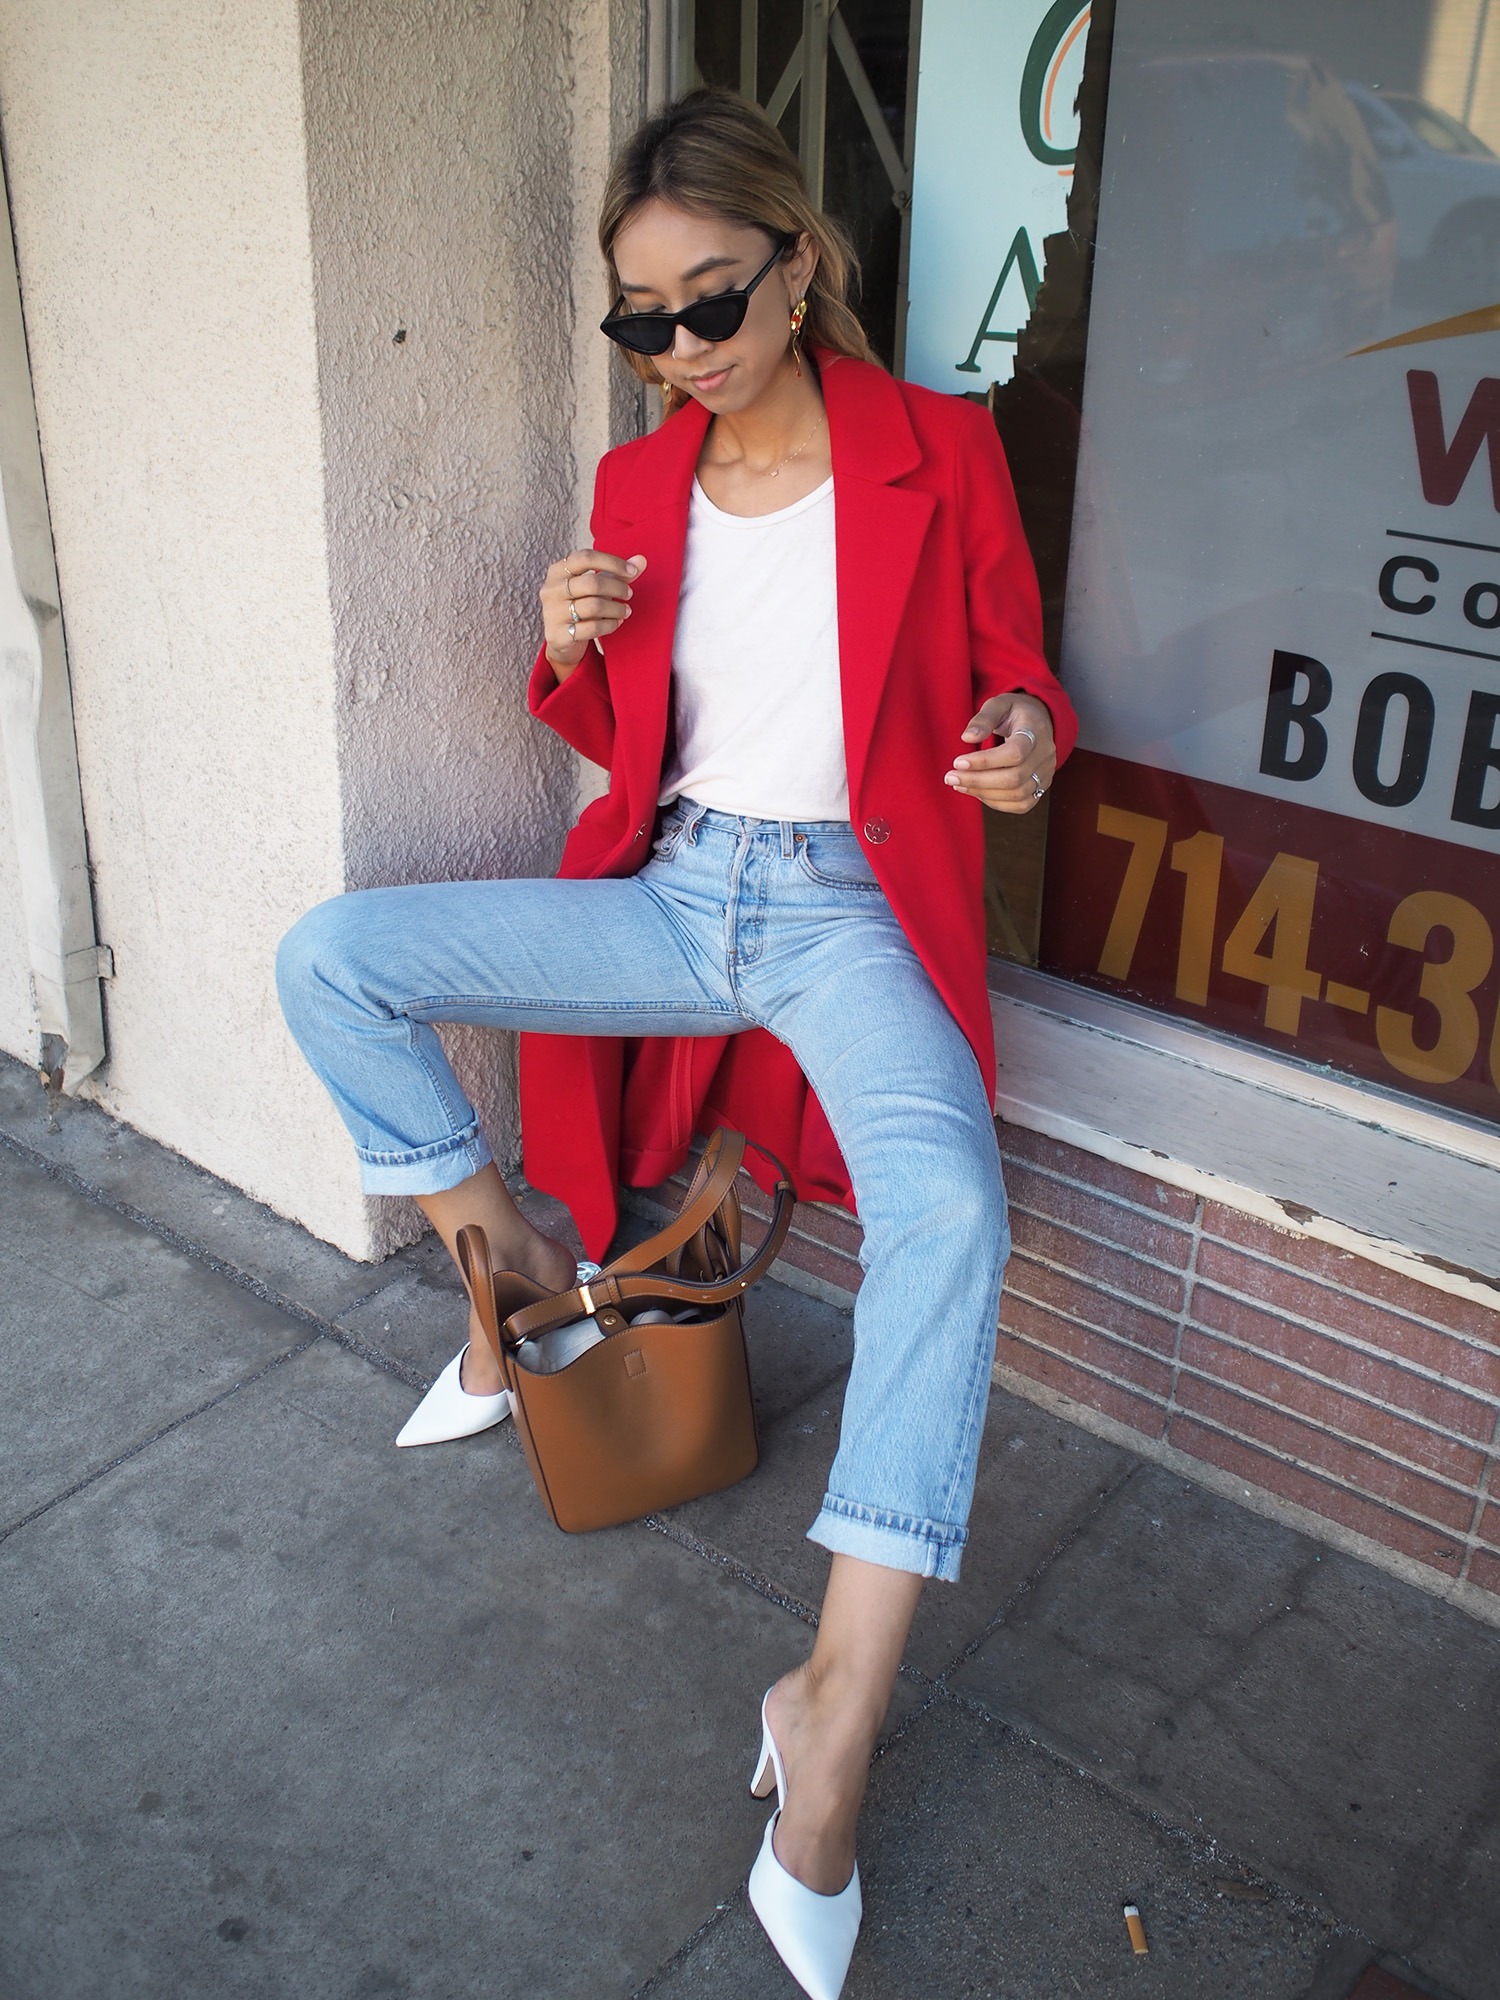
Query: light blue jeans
{"x": 733, "y": 923}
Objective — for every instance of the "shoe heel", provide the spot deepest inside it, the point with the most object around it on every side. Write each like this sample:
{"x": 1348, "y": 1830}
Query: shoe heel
{"x": 769, "y": 1776}
{"x": 764, "y": 1782}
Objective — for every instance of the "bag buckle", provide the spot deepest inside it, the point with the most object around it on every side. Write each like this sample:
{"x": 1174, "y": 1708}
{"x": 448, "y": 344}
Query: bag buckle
{"x": 588, "y": 1300}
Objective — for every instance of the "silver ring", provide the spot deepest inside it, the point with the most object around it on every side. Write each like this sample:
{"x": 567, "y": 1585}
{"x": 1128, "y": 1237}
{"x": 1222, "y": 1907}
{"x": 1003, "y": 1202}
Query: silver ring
{"x": 572, "y": 626}
{"x": 1030, "y": 737}
{"x": 1041, "y": 789}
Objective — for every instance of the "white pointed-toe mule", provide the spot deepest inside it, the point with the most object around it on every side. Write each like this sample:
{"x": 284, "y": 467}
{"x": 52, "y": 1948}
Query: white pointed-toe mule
{"x": 813, "y": 1934}
{"x": 448, "y": 1411}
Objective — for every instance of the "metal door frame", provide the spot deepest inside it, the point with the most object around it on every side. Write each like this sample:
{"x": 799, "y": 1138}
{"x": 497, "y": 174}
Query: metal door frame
{"x": 823, "y": 30}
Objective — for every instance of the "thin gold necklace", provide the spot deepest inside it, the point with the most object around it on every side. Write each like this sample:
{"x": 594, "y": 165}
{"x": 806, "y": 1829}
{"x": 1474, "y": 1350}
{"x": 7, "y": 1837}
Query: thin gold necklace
{"x": 775, "y": 471}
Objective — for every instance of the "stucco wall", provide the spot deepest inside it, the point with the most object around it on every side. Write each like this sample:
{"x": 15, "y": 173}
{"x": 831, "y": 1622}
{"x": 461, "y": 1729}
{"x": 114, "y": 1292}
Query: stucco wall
{"x": 452, "y": 151}
{"x": 299, "y": 554}
{"x": 154, "y": 153}
{"x": 609, "y": 95}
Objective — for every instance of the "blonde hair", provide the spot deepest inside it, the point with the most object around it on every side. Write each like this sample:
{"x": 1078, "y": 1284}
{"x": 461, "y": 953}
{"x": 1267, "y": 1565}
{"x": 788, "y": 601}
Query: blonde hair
{"x": 711, "y": 153}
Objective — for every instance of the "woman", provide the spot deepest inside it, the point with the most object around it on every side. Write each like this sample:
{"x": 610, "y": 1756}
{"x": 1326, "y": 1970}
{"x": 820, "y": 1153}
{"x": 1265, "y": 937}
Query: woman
{"x": 808, "y": 608}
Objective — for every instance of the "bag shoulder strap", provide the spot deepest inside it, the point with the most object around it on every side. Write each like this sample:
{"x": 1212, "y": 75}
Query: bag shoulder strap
{"x": 718, "y": 1169}
{"x": 620, "y": 1287}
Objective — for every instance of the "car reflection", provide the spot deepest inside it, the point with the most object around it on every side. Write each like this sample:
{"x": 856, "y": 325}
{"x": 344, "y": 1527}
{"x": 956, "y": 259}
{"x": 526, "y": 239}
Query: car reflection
{"x": 1445, "y": 184}
{"x": 1263, "y": 221}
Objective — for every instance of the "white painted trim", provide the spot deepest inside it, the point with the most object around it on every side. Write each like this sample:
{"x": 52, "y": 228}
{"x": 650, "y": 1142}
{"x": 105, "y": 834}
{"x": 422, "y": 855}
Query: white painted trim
{"x": 36, "y": 723}
{"x": 1379, "y": 1176}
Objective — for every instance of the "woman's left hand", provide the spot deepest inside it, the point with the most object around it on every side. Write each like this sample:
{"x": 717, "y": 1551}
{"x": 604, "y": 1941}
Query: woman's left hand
{"x": 1016, "y": 774}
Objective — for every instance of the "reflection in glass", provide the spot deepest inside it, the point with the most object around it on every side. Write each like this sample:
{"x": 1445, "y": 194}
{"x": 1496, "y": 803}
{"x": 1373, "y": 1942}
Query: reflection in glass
{"x": 1284, "y": 819}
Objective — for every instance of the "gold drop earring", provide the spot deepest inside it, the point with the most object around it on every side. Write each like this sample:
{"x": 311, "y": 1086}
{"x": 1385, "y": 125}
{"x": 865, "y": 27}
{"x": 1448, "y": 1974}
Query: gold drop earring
{"x": 799, "y": 313}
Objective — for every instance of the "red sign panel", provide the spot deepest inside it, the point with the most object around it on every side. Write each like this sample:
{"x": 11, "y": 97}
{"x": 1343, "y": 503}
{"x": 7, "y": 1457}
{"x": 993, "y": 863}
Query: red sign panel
{"x": 1368, "y": 948}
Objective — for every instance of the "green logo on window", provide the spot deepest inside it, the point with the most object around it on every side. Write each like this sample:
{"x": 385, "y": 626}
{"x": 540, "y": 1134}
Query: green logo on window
{"x": 1062, "y": 24}
{"x": 1018, "y": 258}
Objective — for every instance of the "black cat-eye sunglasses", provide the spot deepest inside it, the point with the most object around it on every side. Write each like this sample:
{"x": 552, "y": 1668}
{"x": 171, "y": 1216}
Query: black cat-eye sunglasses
{"x": 718, "y": 318}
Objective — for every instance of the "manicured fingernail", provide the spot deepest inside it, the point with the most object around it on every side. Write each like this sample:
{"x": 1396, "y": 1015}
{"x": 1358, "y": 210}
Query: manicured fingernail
{"x": 949, "y": 778}
{"x": 960, "y": 763}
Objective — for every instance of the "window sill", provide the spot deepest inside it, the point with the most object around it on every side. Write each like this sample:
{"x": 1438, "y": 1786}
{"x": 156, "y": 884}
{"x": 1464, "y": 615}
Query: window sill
{"x": 1390, "y": 1180}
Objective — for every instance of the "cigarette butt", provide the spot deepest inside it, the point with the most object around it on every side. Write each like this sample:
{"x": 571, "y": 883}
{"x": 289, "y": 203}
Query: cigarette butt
{"x": 1136, "y": 1929}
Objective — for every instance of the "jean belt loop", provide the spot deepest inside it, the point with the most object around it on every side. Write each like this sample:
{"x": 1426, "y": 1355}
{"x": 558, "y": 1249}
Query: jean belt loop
{"x": 788, "y": 839}
{"x": 690, "y": 824}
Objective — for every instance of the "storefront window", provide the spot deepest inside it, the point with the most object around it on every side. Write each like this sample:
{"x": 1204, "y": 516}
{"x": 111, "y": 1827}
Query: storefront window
{"x": 1280, "y": 617}
{"x": 836, "y": 83}
{"x": 1010, "y": 113}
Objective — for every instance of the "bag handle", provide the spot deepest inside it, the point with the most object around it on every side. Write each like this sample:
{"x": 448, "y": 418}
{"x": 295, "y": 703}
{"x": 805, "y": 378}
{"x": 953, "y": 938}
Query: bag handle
{"x": 618, "y": 1287}
{"x": 479, "y": 1276}
{"x": 718, "y": 1169}
{"x": 723, "y": 1156}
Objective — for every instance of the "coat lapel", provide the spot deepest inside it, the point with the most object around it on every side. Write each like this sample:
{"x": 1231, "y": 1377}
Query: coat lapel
{"x": 879, "y": 531}
{"x": 651, "y": 506}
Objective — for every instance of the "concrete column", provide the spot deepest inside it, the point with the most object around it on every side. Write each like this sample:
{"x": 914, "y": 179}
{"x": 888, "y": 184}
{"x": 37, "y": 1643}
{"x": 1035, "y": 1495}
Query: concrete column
{"x": 455, "y": 153}
{"x": 304, "y": 303}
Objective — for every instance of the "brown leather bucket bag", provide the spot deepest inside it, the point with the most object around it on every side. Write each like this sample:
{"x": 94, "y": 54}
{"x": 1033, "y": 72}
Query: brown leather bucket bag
{"x": 658, "y": 1409}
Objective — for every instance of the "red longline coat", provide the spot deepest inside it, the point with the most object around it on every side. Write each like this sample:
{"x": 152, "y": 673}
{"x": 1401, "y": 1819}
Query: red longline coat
{"x": 937, "y": 610}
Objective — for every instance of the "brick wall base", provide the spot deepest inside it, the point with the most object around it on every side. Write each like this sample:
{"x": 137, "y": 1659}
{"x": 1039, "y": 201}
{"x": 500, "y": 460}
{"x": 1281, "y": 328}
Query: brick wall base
{"x": 1310, "y": 1383}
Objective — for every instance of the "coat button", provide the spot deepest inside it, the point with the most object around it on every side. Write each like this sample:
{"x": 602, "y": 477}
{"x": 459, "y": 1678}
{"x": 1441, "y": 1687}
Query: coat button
{"x": 876, "y": 831}
{"x": 640, "y": 833}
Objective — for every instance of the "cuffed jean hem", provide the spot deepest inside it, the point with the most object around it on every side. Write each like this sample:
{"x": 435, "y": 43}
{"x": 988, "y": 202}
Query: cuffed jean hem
{"x": 896, "y": 1541}
{"x": 429, "y": 1170}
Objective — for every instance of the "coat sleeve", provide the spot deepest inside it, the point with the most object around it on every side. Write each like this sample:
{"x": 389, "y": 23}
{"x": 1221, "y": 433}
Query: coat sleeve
{"x": 1004, "y": 603}
{"x": 579, "y": 708}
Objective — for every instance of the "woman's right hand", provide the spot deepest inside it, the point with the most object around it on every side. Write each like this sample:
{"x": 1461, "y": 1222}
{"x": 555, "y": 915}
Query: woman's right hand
{"x": 584, "y": 597}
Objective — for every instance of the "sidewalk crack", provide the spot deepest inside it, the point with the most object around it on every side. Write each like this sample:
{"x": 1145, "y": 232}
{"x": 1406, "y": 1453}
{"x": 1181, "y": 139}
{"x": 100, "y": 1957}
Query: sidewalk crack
{"x": 221, "y": 1267}
{"x": 1029, "y": 1582}
{"x": 741, "y": 1572}
{"x": 162, "y": 1431}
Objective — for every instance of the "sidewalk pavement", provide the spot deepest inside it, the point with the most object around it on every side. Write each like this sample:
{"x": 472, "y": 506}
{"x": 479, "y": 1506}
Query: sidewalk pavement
{"x": 287, "y": 1712}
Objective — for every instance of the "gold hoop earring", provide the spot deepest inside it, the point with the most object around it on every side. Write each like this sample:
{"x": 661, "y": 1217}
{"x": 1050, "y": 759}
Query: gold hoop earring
{"x": 799, "y": 313}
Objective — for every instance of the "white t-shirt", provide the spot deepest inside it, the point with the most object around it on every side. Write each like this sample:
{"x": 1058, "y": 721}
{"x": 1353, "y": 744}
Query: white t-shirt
{"x": 755, "y": 664}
